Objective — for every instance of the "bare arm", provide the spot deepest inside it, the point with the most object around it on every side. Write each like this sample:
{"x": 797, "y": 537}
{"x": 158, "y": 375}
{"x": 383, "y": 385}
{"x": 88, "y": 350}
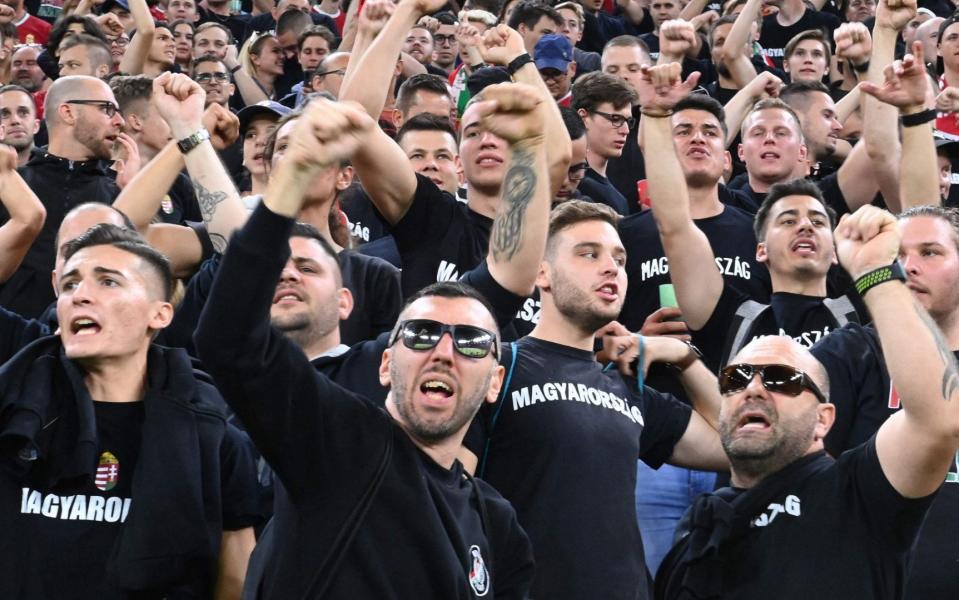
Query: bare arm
{"x": 764, "y": 84}
{"x": 861, "y": 177}
{"x": 905, "y": 88}
{"x": 139, "y": 48}
{"x": 692, "y": 264}
{"x": 741, "y": 31}
{"x": 235, "y": 550}
{"x": 245, "y": 86}
{"x": 26, "y": 212}
{"x": 917, "y": 444}
{"x": 501, "y": 45}
{"x": 349, "y": 28}
{"x": 694, "y": 8}
{"x": 848, "y": 105}
{"x": 140, "y": 199}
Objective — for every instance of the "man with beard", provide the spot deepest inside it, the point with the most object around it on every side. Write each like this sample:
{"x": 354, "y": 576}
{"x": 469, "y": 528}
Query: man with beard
{"x": 25, "y": 70}
{"x": 350, "y": 470}
{"x": 797, "y": 523}
{"x": 562, "y": 440}
{"x": 18, "y": 118}
{"x": 83, "y": 123}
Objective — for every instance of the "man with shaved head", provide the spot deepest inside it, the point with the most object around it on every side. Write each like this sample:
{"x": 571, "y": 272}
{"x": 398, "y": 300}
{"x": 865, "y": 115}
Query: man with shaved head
{"x": 792, "y": 505}
{"x": 83, "y": 125}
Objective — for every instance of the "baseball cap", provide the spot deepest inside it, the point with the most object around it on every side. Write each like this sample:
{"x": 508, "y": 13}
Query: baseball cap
{"x": 946, "y": 144}
{"x": 124, "y": 4}
{"x": 263, "y": 107}
{"x": 553, "y": 52}
{"x": 487, "y": 76}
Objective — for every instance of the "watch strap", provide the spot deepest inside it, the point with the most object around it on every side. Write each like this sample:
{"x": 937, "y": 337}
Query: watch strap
{"x": 192, "y": 141}
{"x": 881, "y": 275}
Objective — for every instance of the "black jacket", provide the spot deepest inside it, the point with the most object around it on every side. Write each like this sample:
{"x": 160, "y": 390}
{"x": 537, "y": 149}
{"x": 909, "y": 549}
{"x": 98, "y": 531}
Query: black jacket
{"x": 328, "y": 447}
{"x": 48, "y": 441}
{"x": 60, "y": 184}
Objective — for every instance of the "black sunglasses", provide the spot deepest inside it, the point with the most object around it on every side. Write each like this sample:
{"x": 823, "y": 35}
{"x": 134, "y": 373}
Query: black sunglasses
{"x": 776, "y": 378}
{"x": 425, "y": 334}
{"x": 106, "y": 107}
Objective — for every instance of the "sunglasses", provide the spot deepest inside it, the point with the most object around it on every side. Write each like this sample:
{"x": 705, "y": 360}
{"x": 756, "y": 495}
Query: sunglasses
{"x": 775, "y": 378}
{"x": 424, "y": 334}
{"x": 207, "y": 78}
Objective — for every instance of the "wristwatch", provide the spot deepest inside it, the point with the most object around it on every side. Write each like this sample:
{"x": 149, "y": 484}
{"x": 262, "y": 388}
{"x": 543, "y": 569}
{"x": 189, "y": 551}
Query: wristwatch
{"x": 192, "y": 141}
{"x": 881, "y": 275}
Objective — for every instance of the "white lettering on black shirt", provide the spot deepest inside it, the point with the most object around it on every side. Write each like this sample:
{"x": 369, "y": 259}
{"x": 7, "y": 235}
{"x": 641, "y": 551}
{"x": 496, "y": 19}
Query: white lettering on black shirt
{"x": 78, "y": 507}
{"x": 574, "y": 392}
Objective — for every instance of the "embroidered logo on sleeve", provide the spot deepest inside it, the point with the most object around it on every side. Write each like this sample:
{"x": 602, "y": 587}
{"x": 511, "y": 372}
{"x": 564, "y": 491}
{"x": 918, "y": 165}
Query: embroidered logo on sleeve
{"x": 479, "y": 576}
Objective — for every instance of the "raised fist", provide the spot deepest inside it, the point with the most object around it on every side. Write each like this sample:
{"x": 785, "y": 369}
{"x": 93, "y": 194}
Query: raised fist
{"x": 512, "y": 111}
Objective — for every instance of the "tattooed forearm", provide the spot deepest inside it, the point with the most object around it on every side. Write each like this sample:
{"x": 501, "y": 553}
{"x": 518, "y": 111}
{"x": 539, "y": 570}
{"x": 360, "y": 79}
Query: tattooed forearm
{"x": 218, "y": 242}
{"x": 518, "y": 189}
{"x": 208, "y": 200}
{"x": 950, "y": 373}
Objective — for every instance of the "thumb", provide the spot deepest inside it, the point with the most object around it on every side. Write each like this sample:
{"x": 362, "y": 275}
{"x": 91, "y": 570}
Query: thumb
{"x": 692, "y": 80}
{"x": 868, "y": 87}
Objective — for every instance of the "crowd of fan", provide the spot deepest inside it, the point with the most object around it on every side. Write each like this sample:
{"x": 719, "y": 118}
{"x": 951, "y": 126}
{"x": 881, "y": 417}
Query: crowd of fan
{"x": 697, "y": 261}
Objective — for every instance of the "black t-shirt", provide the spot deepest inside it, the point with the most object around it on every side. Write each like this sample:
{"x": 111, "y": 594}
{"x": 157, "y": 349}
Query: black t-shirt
{"x": 439, "y": 238}
{"x": 237, "y": 24}
{"x": 806, "y": 319}
{"x": 625, "y": 170}
{"x": 774, "y": 36}
{"x": 599, "y": 189}
{"x": 366, "y": 223}
{"x": 828, "y": 185}
{"x": 375, "y": 285}
{"x": 838, "y": 534}
{"x": 731, "y": 237}
{"x": 179, "y": 205}
{"x": 71, "y": 531}
{"x": 561, "y": 444}
{"x": 865, "y": 397}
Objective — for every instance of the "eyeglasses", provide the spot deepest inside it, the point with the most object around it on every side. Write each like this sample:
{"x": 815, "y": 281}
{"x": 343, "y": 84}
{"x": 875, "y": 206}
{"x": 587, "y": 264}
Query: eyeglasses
{"x": 106, "y": 107}
{"x": 775, "y": 378}
{"x": 578, "y": 172}
{"x": 616, "y": 120}
{"x": 424, "y": 334}
{"x": 325, "y": 73}
{"x": 208, "y": 78}
{"x": 553, "y": 74}
{"x": 118, "y": 41}
{"x": 444, "y": 40}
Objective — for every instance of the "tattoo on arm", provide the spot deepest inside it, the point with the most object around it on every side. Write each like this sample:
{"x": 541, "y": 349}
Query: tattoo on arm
{"x": 950, "y": 373}
{"x": 218, "y": 242}
{"x": 518, "y": 189}
{"x": 208, "y": 200}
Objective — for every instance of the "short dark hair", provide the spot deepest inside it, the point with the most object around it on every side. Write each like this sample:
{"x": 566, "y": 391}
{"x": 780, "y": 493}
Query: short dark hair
{"x": 706, "y": 104}
{"x": 793, "y": 187}
{"x": 446, "y": 18}
{"x": 947, "y": 213}
{"x": 305, "y": 230}
{"x": 183, "y": 22}
{"x": 593, "y": 89}
{"x": 316, "y": 31}
{"x": 797, "y": 93}
{"x": 130, "y": 90}
{"x": 108, "y": 234}
{"x": 529, "y": 12}
{"x": 810, "y": 34}
{"x": 573, "y": 212}
{"x": 426, "y": 122}
{"x": 293, "y": 20}
{"x": 451, "y": 289}
{"x": 422, "y": 82}
{"x": 573, "y": 122}
{"x": 12, "y": 87}
{"x": 62, "y": 25}
{"x": 98, "y": 51}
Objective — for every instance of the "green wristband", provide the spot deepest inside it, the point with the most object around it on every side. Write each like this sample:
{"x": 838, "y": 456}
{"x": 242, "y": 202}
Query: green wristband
{"x": 880, "y": 275}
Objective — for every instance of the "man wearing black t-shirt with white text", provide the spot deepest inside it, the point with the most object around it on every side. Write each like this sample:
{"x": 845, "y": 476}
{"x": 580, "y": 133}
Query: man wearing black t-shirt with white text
{"x": 792, "y": 18}
{"x": 562, "y": 440}
{"x": 798, "y": 524}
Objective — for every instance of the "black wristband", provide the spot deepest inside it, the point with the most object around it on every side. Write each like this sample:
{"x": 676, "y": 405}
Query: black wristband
{"x": 235, "y": 69}
{"x": 880, "y": 275}
{"x": 919, "y": 118}
{"x": 860, "y": 68}
{"x": 518, "y": 63}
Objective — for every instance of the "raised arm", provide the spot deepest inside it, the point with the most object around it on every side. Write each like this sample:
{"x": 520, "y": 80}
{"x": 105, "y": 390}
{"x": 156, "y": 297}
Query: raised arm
{"x": 905, "y": 88}
{"x": 245, "y": 85}
{"x": 917, "y": 444}
{"x": 860, "y": 177}
{"x": 764, "y": 85}
{"x": 500, "y": 46}
{"x": 692, "y": 263}
{"x": 26, "y": 212}
{"x": 739, "y": 35}
{"x": 677, "y": 39}
{"x": 180, "y": 102}
{"x": 517, "y": 113}
{"x": 139, "y": 48}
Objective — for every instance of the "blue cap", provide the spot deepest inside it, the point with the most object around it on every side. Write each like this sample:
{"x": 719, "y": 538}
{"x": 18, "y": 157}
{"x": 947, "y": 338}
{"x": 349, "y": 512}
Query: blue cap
{"x": 124, "y": 4}
{"x": 263, "y": 107}
{"x": 553, "y": 52}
